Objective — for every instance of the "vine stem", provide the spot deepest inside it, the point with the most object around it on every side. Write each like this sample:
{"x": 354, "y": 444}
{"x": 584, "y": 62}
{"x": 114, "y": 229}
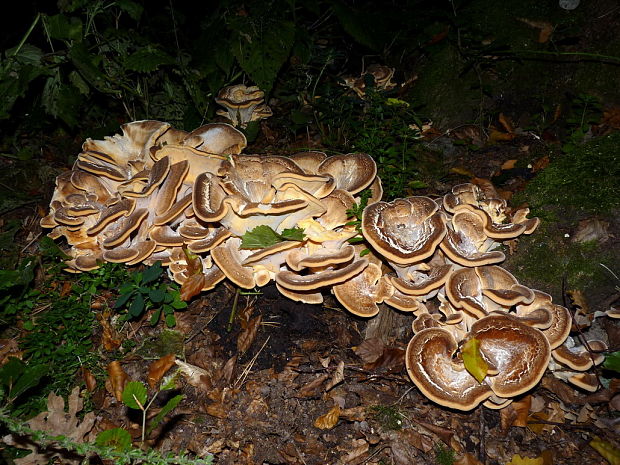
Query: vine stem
{"x": 231, "y": 318}
{"x": 544, "y": 52}
{"x": 25, "y": 38}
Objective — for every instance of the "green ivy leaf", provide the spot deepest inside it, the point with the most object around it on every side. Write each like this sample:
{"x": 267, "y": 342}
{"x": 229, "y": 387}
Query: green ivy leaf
{"x": 152, "y": 273}
{"x": 137, "y": 306}
{"x": 126, "y": 294}
{"x": 612, "y": 361}
{"x": 473, "y": 361}
{"x": 166, "y": 409}
{"x": 134, "y": 395}
{"x": 64, "y": 27}
{"x": 117, "y": 438}
{"x": 263, "y": 236}
{"x": 148, "y": 59}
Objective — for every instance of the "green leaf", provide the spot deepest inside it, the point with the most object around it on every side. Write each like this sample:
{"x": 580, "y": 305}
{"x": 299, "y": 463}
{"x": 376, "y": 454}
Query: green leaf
{"x": 133, "y": 9}
{"x": 26, "y": 55}
{"x": 117, "y": 438}
{"x": 473, "y": 361}
{"x": 263, "y": 236}
{"x": 612, "y": 361}
{"x": 148, "y": 59}
{"x": 19, "y": 377}
{"x": 157, "y": 295}
{"x": 88, "y": 67}
{"x": 155, "y": 317}
{"x": 171, "y": 320}
{"x": 22, "y": 276}
{"x": 358, "y": 25}
{"x": 152, "y": 273}
{"x": 124, "y": 298}
{"x": 49, "y": 248}
{"x": 134, "y": 395}
{"x": 261, "y": 47}
{"x": 418, "y": 185}
{"x": 137, "y": 306}
{"x": 64, "y": 27}
{"x": 79, "y": 83}
{"x": 166, "y": 409}
{"x": 292, "y": 234}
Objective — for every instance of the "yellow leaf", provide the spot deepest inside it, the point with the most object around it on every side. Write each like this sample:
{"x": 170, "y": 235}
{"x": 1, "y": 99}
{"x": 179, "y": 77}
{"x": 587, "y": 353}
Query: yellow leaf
{"x": 518, "y": 460}
{"x": 607, "y": 450}
{"x": 329, "y": 420}
{"x": 472, "y": 358}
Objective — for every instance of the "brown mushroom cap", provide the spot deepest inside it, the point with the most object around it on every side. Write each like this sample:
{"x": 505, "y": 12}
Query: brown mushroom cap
{"x": 423, "y": 283}
{"x": 216, "y": 138}
{"x": 559, "y": 329}
{"x": 309, "y": 162}
{"x": 404, "y": 231}
{"x": 578, "y": 357}
{"x": 360, "y": 294}
{"x": 229, "y": 258}
{"x": 298, "y": 282}
{"x": 432, "y": 368}
{"x": 352, "y": 172}
{"x": 464, "y": 291}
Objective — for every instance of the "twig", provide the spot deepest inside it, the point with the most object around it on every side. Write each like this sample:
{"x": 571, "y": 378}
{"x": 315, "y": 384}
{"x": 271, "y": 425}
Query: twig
{"x": 246, "y": 371}
{"x": 231, "y": 318}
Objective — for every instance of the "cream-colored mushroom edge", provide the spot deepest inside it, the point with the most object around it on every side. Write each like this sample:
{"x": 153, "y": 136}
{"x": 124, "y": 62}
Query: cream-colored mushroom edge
{"x": 155, "y": 193}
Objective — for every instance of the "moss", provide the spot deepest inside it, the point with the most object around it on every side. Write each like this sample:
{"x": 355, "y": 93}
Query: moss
{"x": 582, "y": 181}
{"x": 547, "y": 258}
{"x": 389, "y": 417}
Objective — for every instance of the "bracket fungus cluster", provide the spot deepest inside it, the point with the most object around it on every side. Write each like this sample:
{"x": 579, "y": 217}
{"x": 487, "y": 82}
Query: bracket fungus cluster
{"x": 190, "y": 200}
{"x": 381, "y": 74}
{"x": 242, "y": 104}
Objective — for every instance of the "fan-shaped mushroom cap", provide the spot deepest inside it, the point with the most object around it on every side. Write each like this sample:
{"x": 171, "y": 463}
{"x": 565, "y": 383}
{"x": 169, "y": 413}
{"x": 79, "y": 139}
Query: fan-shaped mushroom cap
{"x": 316, "y": 185}
{"x": 301, "y": 258}
{"x": 432, "y": 368}
{"x": 243, "y": 104}
{"x": 352, "y": 172}
{"x": 361, "y": 293}
{"x": 578, "y": 357}
{"x": 404, "y": 302}
{"x": 559, "y": 329}
{"x": 464, "y": 291}
{"x": 229, "y": 258}
{"x": 297, "y": 282}
{"x": 307, "y": 297}
{"x": 216, "y": 139}
{"x": 198, "y": 162}
{"x": 423, "y": 283}
{"x": 519, "y": 352}
{"x": 466, "y": 242}
{"x": 309, "y": 162}
{"x": 336, "y": 205}
{"x": 502, "y": 287}
{"x": 404, "y": 231}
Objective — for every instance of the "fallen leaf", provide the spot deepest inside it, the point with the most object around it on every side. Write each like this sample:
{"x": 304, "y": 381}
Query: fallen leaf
{"x": 444, "y": 434}
{"x": 311, "y": 389}
{"x": 391, "y": 358}
{"x": 247, "y": 336}
{"x": 506, "y": 123}
{"x": 354, "y": 413}
{"x": 509, "y": 164}
{"x": 228, "y": 370}
{"x": 499, "y": 136}
{"x": 118, "y": 379}
{"x": 516, "y": 414}
{"x": 158, "y": 369}
{"x": 360, "y": 447}
{"x": 217, "y": 410}
{"x": 109, "y": 337}
{"x": 540, "y": 164}
{"x": 545, "y": 28}
{"x": 195, "y": 376}
{"x": 473, "y": 361}
{"x": 56, "y": 422}
{"x": 462, "y": 171}
{"x": 192, "y": 286}
{"x": 591, "y": 229}
{"x": 607, "y": 450}
{"x": 370, "y": 350}
{"x": 467, "y": 459}
{"x": 89, "y": 379}
{"x": 337, "y": 377}
{"x": 329, "y": 420}
{"x": 518, "y": 460}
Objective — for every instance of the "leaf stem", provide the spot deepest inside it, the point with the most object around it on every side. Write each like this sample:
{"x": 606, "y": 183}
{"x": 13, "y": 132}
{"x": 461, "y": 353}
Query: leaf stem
{"x": 231, "y": 318}
{"x": 25, "y": 38}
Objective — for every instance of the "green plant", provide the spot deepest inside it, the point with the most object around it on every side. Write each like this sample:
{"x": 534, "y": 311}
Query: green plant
{"x": 138, "y": 297}
{"x": 112, "y": 453}
{"x": 585, "y": 110}
{"x": 444, "y": 455}
{"x": 388, "y": 416}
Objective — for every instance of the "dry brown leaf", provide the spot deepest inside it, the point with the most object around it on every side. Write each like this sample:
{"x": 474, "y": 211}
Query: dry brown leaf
{"x": 118, "y": 378}
{"x": 518, "y": 460}
{"x": 337, "y": 377}
{"x": 509, "y": 164}
{"x": 195, "y": 376}
{"x": 462, "y": 171}
{"x": 540, "y": 164}
{"x": 228, "y": 370}
{"x": 545, "y": 29}
{"x": 506, "y": 123}
{"x": 499, "y": 136}
{"x": 360, "y": 447}
{"x": 370, "y": 350}
{"x": 444, "y": 434}
{"x": 89, "y": 379}
{"x": 392, "y": 357}
{"x": 67, "y": 288}
{"x": 247, "y": 336}
{"x": 516, "y": 414}
{"x": 567, "y": 394}
{"x": 354, "y": 413}
{"x": 579, "y": 300}
{"x": 56, "y": 422}
{"x": 192, "y": 286}
{"x": 329, "y": 420}
{"x": 312, "y": 388}
{"x": 591, "y": 229}
{"x": 109, "y": 337}
{"x": 467, "y": 459}
{"x": 217, "y": 410}
{"x": 158, "y": 369}
{"x": 611, "y": 117}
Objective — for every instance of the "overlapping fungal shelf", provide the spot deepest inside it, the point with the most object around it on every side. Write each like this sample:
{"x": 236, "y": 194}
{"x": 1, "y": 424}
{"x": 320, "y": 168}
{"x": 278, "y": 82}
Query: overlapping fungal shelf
{"x": 156, "y": 193}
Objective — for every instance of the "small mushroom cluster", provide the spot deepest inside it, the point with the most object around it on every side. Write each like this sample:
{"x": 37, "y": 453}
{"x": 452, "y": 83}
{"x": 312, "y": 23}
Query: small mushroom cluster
{"x": 190, "y": 200}
{"x": 242, "y": 104}
{"x": 381, "y": 74}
